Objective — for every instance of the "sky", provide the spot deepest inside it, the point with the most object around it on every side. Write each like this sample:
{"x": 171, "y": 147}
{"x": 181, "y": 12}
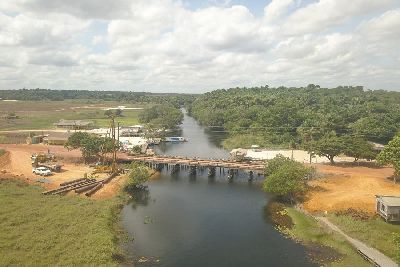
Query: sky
{"x": 197, "y": 46}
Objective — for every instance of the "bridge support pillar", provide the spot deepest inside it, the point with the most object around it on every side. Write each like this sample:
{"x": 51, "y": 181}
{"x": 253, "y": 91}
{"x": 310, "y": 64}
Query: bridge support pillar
{"x": 159, "y": 167}
{"x": 211, "y": 171}
{"x": 192, "y": 170}
{"x": 230, "y": 174}
{"x": 175, "y": 168}
{"x": 251, "y": 176}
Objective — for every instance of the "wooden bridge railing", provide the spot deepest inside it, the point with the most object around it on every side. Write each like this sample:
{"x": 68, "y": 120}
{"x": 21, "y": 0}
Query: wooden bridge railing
{"x": 254, "y": 166}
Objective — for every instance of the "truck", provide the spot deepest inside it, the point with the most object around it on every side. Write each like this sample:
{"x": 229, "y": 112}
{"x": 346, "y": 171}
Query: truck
{"x": 43, "y": 171}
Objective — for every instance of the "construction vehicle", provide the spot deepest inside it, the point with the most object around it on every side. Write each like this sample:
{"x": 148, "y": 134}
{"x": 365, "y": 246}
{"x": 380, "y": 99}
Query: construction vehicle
{"x": 42, "y": 157}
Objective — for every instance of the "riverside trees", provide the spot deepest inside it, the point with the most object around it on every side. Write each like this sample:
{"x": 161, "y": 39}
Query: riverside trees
{"x": 285, "y": 177}
{"x": 164, "y": 116}
{"x": 273, "y": 117}
{"x": 391, "y": 155}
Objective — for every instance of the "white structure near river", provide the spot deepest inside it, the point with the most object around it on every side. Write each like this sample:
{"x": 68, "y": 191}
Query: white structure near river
{"x": 266, "y": 154}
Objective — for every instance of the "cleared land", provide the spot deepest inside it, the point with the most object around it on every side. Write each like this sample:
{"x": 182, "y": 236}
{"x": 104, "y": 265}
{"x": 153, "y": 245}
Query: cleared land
{"x": 43, "y": 114}
{"x": 354, "y": 188}
{"x": 38, "y": 230}
{"x": 16, "y": 161}
{"x": 349, "y": 187}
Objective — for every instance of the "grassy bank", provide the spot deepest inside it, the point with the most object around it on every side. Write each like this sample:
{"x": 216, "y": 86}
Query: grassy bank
{"x": 308, "y": 231}
{"x": 38, "y": 230}
{"x": 43, "y": 114}
{"x": 374, "y": 232}
{"x": 2, "y": 152}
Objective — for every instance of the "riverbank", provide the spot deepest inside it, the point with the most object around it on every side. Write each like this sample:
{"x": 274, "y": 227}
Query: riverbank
{"x": 323, "y": 247}
{"x": 51, "y": 230}
{"x": 371, "y": 230}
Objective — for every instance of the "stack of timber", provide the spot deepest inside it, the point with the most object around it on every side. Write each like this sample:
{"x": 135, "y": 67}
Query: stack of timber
{"x": 100, "y": 184}
{"x": 81, "y": 185}
{"x": 71, "y": 185}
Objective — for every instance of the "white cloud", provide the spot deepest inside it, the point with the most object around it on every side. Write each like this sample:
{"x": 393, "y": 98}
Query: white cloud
{"x": 161, "y": 45}
{"x": 324, "y": 14}
{"x": 277, "y": 8}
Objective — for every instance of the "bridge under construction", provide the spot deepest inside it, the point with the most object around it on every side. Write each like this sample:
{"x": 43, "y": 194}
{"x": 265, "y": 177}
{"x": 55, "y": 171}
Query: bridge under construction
{"x": 176, "y": 163}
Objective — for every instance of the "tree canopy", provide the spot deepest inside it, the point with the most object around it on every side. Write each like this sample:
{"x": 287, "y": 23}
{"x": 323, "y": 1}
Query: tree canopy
{"x": 328, "y": 146}
{"x": 391, "y": 155}
{"x": 90, "y": 145}
{"x": 285, "y": 177}
{"x": 60, "y": 95}
{"x": 277, "y": 116}
{"x": 138, "y": 175}
{"x": 162, "y": 116}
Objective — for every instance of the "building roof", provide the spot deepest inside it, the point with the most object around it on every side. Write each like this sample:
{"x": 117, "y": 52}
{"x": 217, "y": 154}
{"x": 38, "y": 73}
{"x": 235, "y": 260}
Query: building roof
{"x": 393, "y": 201}
{"x": 73, "y": 123}
{"x": 58, "y": 136}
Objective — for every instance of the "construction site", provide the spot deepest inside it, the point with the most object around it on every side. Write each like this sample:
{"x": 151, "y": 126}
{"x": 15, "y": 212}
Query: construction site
{"x": 61, "y": 171}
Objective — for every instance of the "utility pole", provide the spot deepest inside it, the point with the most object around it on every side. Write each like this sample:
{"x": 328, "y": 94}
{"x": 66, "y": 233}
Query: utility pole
{"x": 118, "y": 134}
{"x": 114, "y": 156}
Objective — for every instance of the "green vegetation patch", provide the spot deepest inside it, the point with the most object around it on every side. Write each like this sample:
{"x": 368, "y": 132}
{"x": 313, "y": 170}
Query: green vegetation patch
{"x": 2, "y": 152}
{"x": 296, "y": 117}
{"x": 38, "y": 230}
{"x": 308, "y": 231}
{"x": 375, "y": 232}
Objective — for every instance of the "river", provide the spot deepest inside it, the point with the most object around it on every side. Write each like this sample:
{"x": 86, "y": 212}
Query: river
{"x": 190, "y": 221}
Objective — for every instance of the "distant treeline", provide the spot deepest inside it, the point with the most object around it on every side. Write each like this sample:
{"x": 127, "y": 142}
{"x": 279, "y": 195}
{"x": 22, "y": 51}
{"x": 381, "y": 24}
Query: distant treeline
{"x": 297, "y": 116}
{"x": 161, "y": 116}
{"x": 59, "y": 95}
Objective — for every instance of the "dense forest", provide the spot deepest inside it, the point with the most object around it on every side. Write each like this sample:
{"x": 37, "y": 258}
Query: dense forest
{"x": 165, "y": 116}
{"x": 297, "y": 117}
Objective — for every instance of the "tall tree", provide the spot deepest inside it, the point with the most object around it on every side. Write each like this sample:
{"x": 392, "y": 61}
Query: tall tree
{"x": 391, "y": 155}
{"x": 328, "y": 146}
{"x": 90, "y": 145}
{"x": 358, "y": 148}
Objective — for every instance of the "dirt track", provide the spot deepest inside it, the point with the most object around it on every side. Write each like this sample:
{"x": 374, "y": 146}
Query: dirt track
{"x": 18, "y": 163}
{"x": 349, "y": 187}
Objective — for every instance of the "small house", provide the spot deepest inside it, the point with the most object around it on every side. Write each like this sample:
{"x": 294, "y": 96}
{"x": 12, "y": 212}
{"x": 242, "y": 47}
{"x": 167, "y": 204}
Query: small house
{"x": 388, "y": 207}
{"x": 74, "y": 124}
{"x": 56, "y": 138}
{"x": 37, "y": 139}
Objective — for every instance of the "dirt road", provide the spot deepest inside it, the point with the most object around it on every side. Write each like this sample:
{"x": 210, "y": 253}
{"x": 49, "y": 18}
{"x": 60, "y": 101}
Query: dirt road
{"x": 349, "y": 187}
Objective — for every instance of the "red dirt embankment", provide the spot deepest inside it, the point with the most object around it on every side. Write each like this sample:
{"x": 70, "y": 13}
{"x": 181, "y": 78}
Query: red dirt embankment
{"x": 349, "y": 187}
{"x": 17, "y": 164}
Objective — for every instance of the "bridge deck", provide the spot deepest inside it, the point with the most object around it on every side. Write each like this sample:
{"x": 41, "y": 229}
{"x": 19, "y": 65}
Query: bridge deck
{"x": 251, "y": 166}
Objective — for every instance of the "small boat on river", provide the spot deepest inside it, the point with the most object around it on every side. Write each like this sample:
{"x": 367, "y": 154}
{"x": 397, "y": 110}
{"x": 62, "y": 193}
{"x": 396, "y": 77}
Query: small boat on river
{"x": 175, "y": 139}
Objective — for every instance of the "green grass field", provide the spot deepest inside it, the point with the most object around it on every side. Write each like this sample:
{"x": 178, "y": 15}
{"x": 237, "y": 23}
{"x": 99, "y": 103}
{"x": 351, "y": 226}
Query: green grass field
{"x": 307, "y": 230}
{"x": 43, "y": 114}
{"x": 38, "y": 230}
{"x": 374, "y": 232}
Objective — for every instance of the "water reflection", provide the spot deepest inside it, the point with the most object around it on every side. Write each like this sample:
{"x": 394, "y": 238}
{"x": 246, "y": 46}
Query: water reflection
{"x": 199, "y": 220}
{"x": 140, "y": 196}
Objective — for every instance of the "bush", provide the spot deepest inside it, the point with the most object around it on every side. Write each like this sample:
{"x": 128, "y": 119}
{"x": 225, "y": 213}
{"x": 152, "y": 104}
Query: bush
{"x": 285, "y": 177}
{"x": 138, "y": 176}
